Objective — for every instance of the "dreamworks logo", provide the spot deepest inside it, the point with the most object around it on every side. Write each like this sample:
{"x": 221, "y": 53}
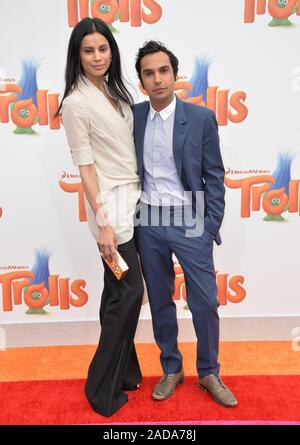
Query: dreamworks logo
{"x": 296, "y": 79}
{"x": 296, "y": 339}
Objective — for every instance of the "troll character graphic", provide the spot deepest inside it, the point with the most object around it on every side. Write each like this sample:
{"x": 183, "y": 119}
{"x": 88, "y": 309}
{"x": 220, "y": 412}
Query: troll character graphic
{"x": 199, "y": 79}
{"x": 282, "y": 176}
{"x": 105, "y": 7}
{"x": 26, "y": 104}
{"x": 284, "y": 21}
{"x": 195, "y": 90}
{"x": 41, "y": 273}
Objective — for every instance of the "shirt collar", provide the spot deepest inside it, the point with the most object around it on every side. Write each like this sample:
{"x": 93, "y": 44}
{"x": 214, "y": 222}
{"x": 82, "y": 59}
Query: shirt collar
{"x": 166, "y": 112}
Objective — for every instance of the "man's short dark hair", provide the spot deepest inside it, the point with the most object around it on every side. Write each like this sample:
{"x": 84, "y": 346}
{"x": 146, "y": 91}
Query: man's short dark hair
{"x": 151, "y": 47}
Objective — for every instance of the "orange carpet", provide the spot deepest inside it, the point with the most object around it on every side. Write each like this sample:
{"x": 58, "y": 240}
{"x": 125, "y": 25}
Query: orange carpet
{"x": 71, "y": 362}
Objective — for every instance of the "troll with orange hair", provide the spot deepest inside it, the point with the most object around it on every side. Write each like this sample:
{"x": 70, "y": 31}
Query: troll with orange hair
{"x": 24, "y": 110}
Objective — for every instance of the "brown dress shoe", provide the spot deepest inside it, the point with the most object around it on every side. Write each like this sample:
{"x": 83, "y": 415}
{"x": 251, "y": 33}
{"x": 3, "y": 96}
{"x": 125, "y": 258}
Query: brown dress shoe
{"x": 220, "y": 393}
{"x": 167, "y": 385}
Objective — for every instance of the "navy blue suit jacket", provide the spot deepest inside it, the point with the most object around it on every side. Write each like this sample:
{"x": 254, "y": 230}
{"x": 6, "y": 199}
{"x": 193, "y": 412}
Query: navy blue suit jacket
{"x": 197, "y": 156}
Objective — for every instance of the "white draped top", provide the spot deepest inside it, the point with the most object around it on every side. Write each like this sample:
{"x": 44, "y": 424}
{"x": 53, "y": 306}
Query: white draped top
{"x": 98, "y": 134}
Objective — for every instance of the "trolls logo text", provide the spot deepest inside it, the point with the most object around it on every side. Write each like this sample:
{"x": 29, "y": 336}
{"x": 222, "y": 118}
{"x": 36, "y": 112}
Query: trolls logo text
{"x": 279, "y": 10}
{"x": 274, "y": 201}
{"x": 218, "y": 101}
{"x": 229, "y": 289}
{"x": 59, "y": 293}
{"x": 111, "y": 10}
{"x": 25, "y": 113}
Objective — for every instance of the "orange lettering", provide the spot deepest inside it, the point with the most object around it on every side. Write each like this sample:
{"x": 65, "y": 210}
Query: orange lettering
{"x": 222, "y": 107}
{"x": 249, "y": 10}
{"x": 179, "y": 282}
{"x": 7, "y": 100}
{"x": 53, "y": 107}
{"x": 256, "y": 195}
{"x": 124, "y": 10}
{"x": 245, "y": 184}
{"x": 261, "y": 7}
{"x": 235, "y": 284}
{"x": 76, "y": 288}
{"x": 222, "y": 288}
{"x": 76, "y": 188}
{"x": 294, "y": 198}
{"x": 182, "y": 85}
{"x": 84, "y": 8}
{"x": 128, "y": 10}
{"x": 53, "y": 290}
{"x": 41, "y": 96}
{"x": 72, "y": 13}
{"x": 10, "y": 88}
{"x": 135, "y": 12}
{"x": 6, "y": 280}
{"x": 236, "y": 101}
{"x": 211, "y": 98}
{"x": 64, "y": 293}
{"x": 18, "y": 287}
{"x": 155, "y": 12}
{"x": 4, "y": 106}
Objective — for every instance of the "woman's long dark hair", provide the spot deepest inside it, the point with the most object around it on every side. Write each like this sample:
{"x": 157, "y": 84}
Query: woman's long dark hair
{"x": 74, "y": 69}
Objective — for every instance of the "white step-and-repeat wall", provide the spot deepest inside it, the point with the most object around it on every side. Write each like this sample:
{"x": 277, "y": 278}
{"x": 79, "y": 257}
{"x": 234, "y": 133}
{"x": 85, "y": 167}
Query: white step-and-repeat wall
{"x": 240, "y": 58}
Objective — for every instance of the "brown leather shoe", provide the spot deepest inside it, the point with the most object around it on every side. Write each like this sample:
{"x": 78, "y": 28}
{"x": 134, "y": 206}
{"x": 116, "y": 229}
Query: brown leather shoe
{"x": 166, "y": 386}
{"x": 220, "y": 393}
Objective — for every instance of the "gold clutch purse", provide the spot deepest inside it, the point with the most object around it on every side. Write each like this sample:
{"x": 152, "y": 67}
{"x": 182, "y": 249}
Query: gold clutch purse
{"x": 120, "y": 268}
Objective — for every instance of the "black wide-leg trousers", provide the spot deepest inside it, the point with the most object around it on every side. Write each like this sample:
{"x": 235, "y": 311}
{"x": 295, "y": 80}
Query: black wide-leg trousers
{"x": 115, "y": 366}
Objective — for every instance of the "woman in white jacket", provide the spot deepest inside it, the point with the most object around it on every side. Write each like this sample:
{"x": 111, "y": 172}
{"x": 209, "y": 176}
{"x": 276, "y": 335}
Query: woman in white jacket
{"x": 98, "y": 123}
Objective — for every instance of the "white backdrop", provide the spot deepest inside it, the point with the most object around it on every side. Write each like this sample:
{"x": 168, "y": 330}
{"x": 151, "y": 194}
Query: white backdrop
{"x": 254, "y": 61}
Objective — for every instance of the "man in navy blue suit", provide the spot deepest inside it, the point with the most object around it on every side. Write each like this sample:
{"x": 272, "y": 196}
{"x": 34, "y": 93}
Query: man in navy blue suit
{"x": 180, "y": 212}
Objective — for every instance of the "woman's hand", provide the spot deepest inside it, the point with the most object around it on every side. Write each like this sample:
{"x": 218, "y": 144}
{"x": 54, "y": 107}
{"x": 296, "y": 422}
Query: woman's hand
{"x": 107, "y": 242}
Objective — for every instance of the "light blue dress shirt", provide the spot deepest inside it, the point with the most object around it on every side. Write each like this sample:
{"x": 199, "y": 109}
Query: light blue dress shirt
{"x": 162, "y": 185}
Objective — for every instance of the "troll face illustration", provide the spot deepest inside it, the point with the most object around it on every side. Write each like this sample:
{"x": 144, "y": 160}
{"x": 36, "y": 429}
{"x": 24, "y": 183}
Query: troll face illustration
{"x": 279, "y": 191}
{"x": 108, "y": 9}
{"x": 281, "y": 19}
